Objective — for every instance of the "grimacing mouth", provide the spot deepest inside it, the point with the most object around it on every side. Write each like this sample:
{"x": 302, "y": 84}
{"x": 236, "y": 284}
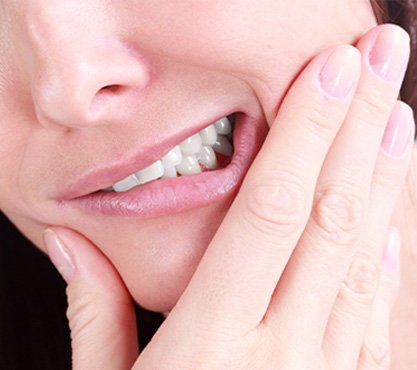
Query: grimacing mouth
{"x": 163, "y": 195}
{"x": 209, "y": 149}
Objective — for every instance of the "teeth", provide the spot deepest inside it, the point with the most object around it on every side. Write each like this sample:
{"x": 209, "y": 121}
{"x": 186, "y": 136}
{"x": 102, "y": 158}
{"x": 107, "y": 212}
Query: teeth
{"x": 169, "y": 173}
{"x": 223, "y": 146}
{"x": 185, "y": 159}
{"x": 189, "y": 165}
{"x": 126, "y": 184}
{"x": 172, "y": 158}
{"x": 152, "y": 172}
{"x": 209, "y": 135}
{"x": 207, "y": 157}
{"x": 191, "y": 145}
{"x": 223, "y": 126}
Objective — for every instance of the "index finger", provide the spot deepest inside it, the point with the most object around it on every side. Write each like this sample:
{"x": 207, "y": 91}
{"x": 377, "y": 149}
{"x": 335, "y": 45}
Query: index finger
{"x": 245, "y": 260}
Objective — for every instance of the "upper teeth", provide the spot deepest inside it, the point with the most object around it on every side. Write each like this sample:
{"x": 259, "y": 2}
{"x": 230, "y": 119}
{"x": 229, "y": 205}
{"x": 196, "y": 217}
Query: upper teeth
{"x": 185, "y": 158}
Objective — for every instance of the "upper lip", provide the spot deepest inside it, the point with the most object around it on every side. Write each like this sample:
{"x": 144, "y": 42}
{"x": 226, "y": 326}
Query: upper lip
{"x": 107, "y": 174}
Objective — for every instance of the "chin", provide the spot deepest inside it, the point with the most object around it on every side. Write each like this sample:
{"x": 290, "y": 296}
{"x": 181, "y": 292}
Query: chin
{"x": 158, "y": 257}
{"x": 166, "y": 281}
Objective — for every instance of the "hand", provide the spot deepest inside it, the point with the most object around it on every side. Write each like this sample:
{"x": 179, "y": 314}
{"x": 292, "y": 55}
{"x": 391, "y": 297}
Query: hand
{"x": 289, "y": 280}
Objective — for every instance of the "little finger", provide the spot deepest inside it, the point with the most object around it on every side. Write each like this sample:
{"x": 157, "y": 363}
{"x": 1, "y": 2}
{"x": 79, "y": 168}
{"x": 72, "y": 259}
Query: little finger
{"x": 376, "y": 350}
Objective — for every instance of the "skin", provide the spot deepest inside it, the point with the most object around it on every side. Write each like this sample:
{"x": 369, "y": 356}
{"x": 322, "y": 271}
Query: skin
{"x": 404, "y": 321}
{"x": 257, "y": 70}
{"x": 311, "y": 270}
{"x": 32, "y": 127}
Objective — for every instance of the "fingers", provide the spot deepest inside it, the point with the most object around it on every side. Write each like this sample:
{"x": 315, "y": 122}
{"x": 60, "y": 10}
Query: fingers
{"x": 350, "y": 315}
{"x": 389, "y": 176}
{"x": 100, "y": 311}
{"x": 375, "y": 353}
{"x": 241, "y": 267}
{"x": 357, "y": 311}
{"x": 325, "y": 250}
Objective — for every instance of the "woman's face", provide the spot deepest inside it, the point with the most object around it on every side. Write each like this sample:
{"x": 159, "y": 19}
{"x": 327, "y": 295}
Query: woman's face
{"x": 91, "y": 92}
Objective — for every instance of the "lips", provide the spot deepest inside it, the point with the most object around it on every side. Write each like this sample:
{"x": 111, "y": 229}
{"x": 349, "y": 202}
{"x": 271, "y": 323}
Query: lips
{"x": 194, "y": 155}
{"x": 168, "y": 195}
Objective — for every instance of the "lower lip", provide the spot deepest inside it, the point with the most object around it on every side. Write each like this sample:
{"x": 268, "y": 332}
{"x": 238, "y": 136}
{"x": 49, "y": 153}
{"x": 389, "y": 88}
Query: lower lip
{"x": 167, "y": 196}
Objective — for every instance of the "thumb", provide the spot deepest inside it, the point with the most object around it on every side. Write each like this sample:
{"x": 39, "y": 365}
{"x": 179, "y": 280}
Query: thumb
{"x": 100, "y": 310}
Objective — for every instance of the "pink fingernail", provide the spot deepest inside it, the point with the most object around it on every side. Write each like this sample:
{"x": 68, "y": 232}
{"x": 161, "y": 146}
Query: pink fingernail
{"x": 390, "y": 52}
{"x": 341, "y": 71}
{"x": 399, "y": 131}
{"x": 391, "y": 257}
{"x": 60, "y": 256}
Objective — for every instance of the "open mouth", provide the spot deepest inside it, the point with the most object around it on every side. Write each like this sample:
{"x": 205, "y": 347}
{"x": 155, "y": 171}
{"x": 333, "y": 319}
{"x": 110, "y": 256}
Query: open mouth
{"x": 207, "y": 166}
{"x": 209, "y": 149}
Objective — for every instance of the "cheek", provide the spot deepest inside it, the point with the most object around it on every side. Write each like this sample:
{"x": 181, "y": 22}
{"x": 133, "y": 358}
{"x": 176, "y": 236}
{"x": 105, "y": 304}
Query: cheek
{"x": 264, "y": 43}
{"x": 16, "y": 124}
{"x": 12, "y": 152}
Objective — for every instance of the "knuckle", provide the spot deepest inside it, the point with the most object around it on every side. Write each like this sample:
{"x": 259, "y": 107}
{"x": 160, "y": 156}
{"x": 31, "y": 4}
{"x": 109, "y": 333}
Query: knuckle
{"x": 362, "y": 279}
{"x": 375, "y": 108}
{"x": 376, "y": 353}
{"x": 338, "y": 215}
{"x": 388, "y": 179}
{"x": 82, "y": 312}
{"x": 278, "y": 207}
{"x": 315, "y": 117}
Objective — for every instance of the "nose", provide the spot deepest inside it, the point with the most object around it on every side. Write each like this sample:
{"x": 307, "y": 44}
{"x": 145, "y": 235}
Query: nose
{"x": 88, "y": 86}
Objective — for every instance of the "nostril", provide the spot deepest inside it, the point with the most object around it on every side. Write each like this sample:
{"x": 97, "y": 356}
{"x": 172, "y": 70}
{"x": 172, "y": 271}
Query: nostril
{"x": 106, "y": 97}
{"x": 110, "y": 89}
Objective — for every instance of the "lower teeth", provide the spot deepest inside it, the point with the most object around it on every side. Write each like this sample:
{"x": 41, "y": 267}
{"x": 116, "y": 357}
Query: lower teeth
{"x": 194, "y": 155}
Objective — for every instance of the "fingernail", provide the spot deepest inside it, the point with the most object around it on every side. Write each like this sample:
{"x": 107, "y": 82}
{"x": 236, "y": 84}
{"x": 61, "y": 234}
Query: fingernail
{"x": 390, "y": 52}
{"x": 391, "y": 256}
{"x": 341, "y": 71}
{"x": 60, "y": 256}
{"x": 399, "y": 131}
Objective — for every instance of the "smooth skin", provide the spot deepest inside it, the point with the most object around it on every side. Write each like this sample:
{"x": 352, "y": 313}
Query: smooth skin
{"x": 296, "y": 264}
{"x": 196, "y": 59}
